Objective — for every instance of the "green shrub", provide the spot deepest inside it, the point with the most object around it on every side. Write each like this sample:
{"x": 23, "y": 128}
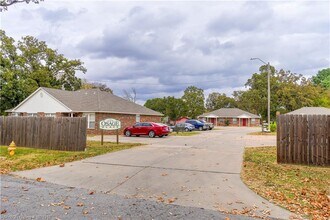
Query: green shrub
{"x": 227, "y": 122}
{"x": 273, "y": 127}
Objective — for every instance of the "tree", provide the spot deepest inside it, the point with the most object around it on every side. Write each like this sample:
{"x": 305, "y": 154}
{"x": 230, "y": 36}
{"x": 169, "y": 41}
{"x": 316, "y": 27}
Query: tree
{"x": 156, "y": 104}
{"x": 30, "y": 64}
{"x": 95, "y": 85}
{"x": 194, "y": 99}
{"x": 169, "y": 106}
{"x": 130, "y": 96}
{"x": 289, "y": 91}
{"x": 4, "y": 4}
{"x": 322, "y": 78}
{"x": 174, "y": 108}
{"x": 217, "y": 100}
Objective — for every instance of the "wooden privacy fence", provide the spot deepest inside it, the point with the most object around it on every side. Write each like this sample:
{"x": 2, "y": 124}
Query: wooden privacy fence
{"x": 303, "y": 139}
{"x": 63, "y": 133}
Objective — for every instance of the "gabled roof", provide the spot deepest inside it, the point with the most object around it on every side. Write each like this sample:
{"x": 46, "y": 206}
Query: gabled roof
{"x": 310, "y": 111}
{"x": 230, "y": 113}
{"x": 94, "y": 100}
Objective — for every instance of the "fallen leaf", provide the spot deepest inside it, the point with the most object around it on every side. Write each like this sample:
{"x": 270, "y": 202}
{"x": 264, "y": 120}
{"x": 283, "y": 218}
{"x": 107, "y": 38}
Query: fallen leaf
{"x": 3, "y": 211}
{"x": 164, "y": 174}
{"x": 80, "y": 204}
{"x": 39, "y": 179}
{"x": 85, "y": 212}
{"x": 160, "y": 199}
{"x": 66, "y": 207}
{"x": 171, "y": 200}
{"x": 91, "y": 193}
{"x": 62, "y": 165}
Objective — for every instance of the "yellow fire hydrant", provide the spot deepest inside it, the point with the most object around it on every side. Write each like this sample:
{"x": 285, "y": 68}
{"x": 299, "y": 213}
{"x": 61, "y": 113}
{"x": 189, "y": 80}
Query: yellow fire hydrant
{"x": 12, "y": 148}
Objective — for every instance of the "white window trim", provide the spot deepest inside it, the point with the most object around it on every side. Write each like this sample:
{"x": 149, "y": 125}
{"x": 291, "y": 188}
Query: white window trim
{"x": 88, "y": 115}
{"x": 138, "y": 118}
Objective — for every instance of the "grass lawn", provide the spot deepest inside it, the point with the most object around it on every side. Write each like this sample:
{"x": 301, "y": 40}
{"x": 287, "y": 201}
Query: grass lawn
{"x": 30, "y": 158}
{"x": 304, "y": 190}
{"x": 262, "y": 133}
{"x": 188, "y": 133}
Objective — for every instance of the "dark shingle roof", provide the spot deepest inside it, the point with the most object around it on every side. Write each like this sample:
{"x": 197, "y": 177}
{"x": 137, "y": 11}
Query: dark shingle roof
{"x": 94, "y": 100}
{"x": 229, "y": 113}
{"x": 310, "y": 111}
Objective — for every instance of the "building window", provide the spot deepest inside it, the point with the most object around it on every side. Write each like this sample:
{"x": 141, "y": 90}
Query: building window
{"x": 50, "y": 115}
{"x": 234, "y": 120}
{"x": 15, "y": 114}
{"x": 222, "y": 120}
{"x": 138, "y": 118}
{"x": 253, "y": 120}
{"x": 90, "y": 120}
{"x": 32, "y": 114}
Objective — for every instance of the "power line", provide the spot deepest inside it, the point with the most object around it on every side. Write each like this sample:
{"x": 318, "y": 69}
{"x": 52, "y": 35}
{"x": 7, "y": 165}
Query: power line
{"x": 151, "y": 84}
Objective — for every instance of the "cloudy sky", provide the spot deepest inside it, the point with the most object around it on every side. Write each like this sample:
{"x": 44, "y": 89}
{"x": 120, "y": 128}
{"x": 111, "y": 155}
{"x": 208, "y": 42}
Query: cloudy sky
{"x": 160, "y": 48}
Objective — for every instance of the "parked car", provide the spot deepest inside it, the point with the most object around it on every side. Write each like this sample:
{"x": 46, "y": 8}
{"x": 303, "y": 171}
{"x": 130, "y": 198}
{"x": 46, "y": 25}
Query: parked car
{"x": 183, "y": 127}
{"x": 211, "y": 125}
{"x": 151, "y": 129}
{"x": 197, "y": 124}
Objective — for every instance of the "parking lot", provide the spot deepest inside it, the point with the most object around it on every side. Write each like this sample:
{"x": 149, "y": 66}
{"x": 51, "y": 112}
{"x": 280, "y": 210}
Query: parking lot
{"x": 197, "y": 171}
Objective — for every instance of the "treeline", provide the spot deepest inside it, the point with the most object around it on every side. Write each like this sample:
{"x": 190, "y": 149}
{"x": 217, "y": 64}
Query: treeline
{"x": 289, "y": 91}
{"x": 29, "y": 64}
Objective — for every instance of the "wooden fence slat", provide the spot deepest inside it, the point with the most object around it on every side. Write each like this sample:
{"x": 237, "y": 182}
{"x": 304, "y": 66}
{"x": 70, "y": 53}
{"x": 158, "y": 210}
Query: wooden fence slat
{"x": 303, "y": 139}
{"x": 44, "y": 132}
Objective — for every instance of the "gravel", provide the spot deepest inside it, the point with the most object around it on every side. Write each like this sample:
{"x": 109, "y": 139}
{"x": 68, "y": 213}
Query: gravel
{"x": 30, "y": 199}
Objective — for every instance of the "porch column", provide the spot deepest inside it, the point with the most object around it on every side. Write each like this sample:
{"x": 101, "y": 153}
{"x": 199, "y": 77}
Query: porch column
{"x": 239, "y": 122}
{"x": 216, "y": 121}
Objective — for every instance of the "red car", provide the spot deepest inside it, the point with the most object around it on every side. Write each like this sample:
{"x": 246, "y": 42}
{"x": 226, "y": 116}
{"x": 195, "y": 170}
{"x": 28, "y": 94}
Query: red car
{"x": 151, "y": 129}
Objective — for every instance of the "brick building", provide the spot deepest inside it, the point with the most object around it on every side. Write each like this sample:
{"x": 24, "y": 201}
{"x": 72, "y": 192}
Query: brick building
{"x": 93, "y": 104}
{"x": 231, "y": 117}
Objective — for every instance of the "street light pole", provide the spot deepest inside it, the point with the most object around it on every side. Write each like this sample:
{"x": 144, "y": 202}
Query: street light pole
{"x": 268, "y": 88}
{"x": 268, "y": 82}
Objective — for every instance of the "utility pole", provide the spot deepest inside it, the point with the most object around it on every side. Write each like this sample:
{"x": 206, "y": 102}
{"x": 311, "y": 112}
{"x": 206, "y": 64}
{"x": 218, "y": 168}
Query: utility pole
{"x": 268, "y": 110}
{"x": 268, "y": 89}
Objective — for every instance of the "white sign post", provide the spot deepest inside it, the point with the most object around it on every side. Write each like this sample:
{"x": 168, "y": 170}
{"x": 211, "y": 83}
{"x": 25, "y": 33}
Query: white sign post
{"x": 110, "y": 124}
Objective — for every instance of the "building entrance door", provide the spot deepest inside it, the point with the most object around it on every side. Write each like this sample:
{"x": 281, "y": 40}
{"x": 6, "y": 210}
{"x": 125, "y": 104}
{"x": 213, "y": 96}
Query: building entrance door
{"x": 244, "y": 121}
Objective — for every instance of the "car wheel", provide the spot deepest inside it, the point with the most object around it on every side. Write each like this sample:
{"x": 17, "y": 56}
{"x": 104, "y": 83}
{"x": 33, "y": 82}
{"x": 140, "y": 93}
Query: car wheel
{"x": 127, "y": 133}
{"x": 151, "y": 134}
{"x": 186, "y": 129}
{"x": 200, "y": 128}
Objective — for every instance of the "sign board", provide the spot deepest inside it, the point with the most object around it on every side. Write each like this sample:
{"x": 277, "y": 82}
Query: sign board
{"x": 110, "y": 124}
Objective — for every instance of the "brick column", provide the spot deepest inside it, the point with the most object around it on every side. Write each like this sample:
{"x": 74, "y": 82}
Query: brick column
{"x": 24, "y": 113}
{"x": 58, "y": 114}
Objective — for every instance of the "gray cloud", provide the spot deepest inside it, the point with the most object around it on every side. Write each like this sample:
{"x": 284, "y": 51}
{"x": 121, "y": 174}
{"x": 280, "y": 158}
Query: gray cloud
{"x": 161, "y": 48}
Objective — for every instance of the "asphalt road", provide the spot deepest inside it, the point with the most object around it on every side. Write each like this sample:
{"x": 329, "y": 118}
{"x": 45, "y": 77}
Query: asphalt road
{"x": 201, "y": 171}
{"x": 28, "y": 199}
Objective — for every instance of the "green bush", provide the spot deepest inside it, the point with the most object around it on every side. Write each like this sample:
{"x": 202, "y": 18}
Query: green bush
{"x": 227, "y": 122}
{"x": 273, "y": 127}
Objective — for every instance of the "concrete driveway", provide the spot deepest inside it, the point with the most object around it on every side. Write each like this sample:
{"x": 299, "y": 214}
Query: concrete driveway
{"x": 197, "y": 171}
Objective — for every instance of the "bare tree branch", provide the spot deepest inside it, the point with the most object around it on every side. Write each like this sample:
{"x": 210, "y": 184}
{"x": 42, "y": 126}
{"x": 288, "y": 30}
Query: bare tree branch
{"x": 130, "y": 96}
